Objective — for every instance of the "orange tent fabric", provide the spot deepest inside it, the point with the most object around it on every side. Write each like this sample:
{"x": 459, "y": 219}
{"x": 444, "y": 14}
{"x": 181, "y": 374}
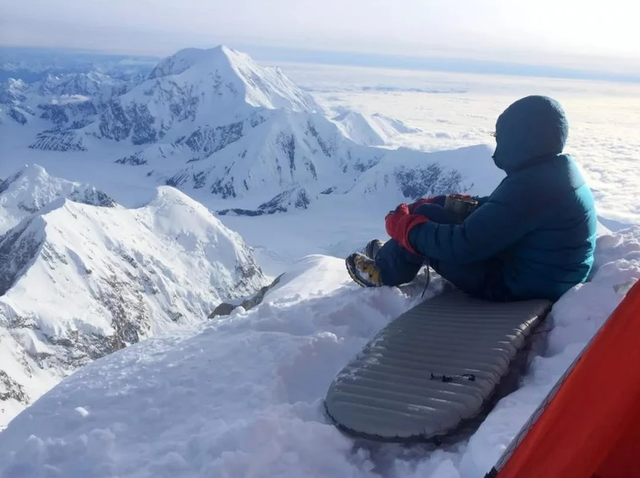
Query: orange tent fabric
{"x": 589, "y": 425}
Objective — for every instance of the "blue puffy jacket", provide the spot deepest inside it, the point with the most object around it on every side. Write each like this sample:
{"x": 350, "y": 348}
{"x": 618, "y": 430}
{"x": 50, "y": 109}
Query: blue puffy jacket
{"x": 540, "y": 221}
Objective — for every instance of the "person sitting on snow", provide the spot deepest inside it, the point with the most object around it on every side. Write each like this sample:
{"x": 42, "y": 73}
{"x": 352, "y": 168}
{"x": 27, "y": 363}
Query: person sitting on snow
{"x": 533, "y": 237}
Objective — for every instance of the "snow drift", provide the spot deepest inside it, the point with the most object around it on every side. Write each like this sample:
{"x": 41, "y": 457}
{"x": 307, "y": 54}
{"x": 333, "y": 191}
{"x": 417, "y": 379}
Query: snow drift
{"x": 243, "y": 396}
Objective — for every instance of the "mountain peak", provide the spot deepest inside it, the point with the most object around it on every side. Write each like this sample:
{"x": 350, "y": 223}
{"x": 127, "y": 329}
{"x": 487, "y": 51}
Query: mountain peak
{"x": 31, "y": 188}
{"x": 223, "y": 72}
{"x": 186, "y": 58}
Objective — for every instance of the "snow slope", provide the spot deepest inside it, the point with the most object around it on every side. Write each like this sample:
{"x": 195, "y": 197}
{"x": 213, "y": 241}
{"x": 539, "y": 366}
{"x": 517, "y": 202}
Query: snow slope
{"x": 237, "y": 78}
{"x": 215, "y": 120}
{"x": 371, "y": 130}
{"x": 55, "y": 103}
{"x": 97, "y": 86}
{"x": 195, "y": 89}
{"x": 32, "y": 188}
{"x": 242, "y": 396}
{"x": 79, "y": 281}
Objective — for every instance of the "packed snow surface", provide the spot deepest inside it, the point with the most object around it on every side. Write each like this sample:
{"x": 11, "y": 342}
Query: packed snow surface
{"x": 242, "y": 396}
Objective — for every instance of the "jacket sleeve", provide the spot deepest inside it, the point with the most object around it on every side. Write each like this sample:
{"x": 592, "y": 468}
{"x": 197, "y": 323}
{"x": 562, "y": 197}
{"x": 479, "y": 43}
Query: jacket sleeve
{"x": 481, "y": 199}
{"x": 489, "y": 230}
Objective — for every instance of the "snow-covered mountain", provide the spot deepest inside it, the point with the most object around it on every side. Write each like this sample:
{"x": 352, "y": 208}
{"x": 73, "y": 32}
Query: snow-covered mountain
{"x": 79, "y": 280}
{"x": 32, "y": 188}
{"x": 192, "y": 89}
{"x": 57, "y": 105}
{"x": 13, "y": 92}
{"x": 236, "y": 79}
{"x": 34, "y": 64}
{"x": 13, "y": 102}
{"x": 371, "y": 130}
{"x": 60, "y": 99}
{"x": 97, "y": 86}
{"x": 216, "y": 121}
{"x": 401, "y": 176}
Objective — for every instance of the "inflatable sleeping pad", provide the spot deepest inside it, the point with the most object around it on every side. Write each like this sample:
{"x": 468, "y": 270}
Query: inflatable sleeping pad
{"x": 432, "y": 368}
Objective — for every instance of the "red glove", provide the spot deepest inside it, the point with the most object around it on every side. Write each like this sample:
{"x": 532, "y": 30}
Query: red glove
{"x": 400, "y": 222}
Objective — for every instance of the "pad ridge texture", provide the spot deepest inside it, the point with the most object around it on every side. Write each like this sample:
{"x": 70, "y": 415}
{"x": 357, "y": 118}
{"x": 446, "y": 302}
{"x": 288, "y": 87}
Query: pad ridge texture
{"x": 432, "y": 367}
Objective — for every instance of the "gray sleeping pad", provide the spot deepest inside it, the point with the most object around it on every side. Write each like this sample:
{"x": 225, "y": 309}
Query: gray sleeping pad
{"x": 431, "y": 368}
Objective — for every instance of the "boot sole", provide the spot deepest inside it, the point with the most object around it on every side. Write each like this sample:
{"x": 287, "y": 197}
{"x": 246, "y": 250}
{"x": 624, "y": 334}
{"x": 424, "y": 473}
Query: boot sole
{"x": 351, "y": 266}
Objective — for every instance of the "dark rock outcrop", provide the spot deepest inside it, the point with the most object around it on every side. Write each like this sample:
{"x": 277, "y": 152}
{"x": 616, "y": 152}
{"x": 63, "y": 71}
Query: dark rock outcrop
{"x": 226, "y": 308}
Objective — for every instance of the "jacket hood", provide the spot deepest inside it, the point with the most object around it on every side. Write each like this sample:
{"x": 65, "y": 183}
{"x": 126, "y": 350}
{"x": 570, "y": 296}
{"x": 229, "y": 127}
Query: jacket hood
{"x": 533, "y": 127}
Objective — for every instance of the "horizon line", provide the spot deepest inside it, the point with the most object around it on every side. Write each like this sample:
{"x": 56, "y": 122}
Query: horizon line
{"x": 448, "y": 64}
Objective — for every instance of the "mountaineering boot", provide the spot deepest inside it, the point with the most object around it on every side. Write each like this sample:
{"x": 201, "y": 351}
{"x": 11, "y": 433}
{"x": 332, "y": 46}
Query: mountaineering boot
{"x": 372, "y": 248}
{"x": 363, "y": 270}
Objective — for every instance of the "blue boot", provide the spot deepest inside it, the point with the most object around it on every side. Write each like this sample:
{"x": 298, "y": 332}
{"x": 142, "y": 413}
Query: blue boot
{"x": 372, "y": 248}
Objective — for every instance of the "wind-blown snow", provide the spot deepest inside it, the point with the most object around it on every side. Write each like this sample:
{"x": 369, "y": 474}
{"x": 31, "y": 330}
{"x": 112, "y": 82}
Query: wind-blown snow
{"x": 243, "y": 395}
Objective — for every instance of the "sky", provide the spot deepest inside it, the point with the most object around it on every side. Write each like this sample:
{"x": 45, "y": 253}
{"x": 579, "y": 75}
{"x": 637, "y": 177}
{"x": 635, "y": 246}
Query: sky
{"x": 578, "y": 34}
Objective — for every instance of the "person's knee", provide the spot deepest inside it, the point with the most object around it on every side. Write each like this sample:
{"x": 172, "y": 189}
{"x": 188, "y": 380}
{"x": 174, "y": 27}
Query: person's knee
{"x": 436, "y": 213}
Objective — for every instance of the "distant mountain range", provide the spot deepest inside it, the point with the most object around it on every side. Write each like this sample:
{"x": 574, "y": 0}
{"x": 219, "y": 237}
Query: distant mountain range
{"x": 215, "y": 120}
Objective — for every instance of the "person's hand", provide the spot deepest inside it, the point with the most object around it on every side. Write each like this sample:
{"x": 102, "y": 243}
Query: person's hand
{"x": 399, "y": 223}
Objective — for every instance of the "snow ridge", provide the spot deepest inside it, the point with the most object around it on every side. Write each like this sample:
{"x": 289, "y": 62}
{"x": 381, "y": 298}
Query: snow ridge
{"x": 256, "y": 85}
{"x": 82, "y": 279}
{"x": 30, "y": 189}
{"x": 67, "y": 102}
{"x": 197, "y": 88}
{"x": 373, "y": 130}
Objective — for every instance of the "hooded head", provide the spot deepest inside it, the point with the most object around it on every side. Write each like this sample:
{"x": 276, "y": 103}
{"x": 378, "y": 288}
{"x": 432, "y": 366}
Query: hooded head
{"x": 532, "y": 127}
